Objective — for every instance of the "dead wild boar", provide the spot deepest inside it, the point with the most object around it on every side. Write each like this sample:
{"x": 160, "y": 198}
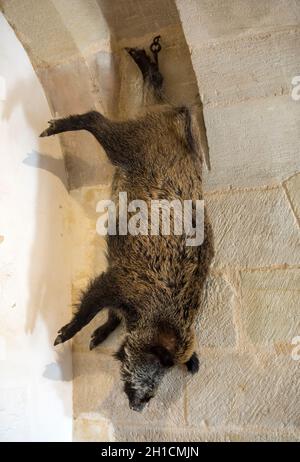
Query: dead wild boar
{"x": 153, "y": 282}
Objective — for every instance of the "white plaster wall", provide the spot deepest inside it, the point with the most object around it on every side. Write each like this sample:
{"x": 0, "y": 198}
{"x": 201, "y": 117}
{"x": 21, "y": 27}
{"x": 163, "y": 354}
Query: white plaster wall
{"x": 35, "y": 380}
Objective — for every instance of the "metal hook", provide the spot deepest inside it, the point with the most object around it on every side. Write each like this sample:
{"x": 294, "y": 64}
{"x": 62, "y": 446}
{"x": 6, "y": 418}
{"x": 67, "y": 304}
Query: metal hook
{"x": 155, "y": 48}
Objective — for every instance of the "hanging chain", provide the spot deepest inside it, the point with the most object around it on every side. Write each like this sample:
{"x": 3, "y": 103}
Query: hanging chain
{"x": 155, "y": 48}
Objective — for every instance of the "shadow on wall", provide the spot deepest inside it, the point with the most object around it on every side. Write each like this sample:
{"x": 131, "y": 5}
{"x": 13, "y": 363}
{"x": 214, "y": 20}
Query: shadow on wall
{"x": 137, "y": 18}
{"x": 22, "y": 94}
{"x": 45, "y": 162}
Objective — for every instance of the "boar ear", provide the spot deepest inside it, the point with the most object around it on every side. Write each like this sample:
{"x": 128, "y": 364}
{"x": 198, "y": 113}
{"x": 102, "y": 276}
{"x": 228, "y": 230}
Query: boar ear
{"x": 195, "y": 132}
{"x": 198, "y": 134}
{"x": 163, "y": 354}
{"x": 120, "y": 354}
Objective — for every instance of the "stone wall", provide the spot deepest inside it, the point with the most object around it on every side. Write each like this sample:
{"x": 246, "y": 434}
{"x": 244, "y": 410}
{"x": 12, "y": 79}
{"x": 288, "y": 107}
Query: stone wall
{"x": 244, "y": 56}
{"x": 241, "y": 56}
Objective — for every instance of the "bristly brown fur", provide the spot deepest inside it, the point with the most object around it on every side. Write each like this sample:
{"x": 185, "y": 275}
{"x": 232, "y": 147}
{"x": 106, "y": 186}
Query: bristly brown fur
{"x": 154, "y": 283}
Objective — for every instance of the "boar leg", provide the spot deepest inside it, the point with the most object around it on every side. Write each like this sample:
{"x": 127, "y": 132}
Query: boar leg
{"x": 102, "y": 292}
{"x": 193, "y": 364}
{"x": 117, "y": 138}
{"x": 100, "y": 334}
{"x": 71, "y": 123}
{"x": 149, "y": 68}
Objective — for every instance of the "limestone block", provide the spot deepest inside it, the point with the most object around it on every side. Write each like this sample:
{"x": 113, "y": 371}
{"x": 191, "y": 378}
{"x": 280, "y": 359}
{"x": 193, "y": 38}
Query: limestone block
{"x": 262, "y": 436}
{"x": 88, "y": 198}
{"x": 157, "y": 435}
{"x": 85, "y": 22}
{"x": 205, "y": 20}
{"x": 86, "y": 162}
{"x": 133, "y": 18}
{"x": 270, "y": 307}
{"x": 63, "y": 29}
{"x": 82, "y": 234}
{"x": 97, "y": 388}
{"x": 70, "y": 91}
{"x": 215, "y": 326}
{"x": 91, "y": 428}
{"x": 243, "y": 390}
{"x": 82, "y": 339}
{"x": 293, "y": 189}
{"x": 88, "y": 247}
{"x": 252, "y": 144}
{"x": 179, "y": 78}
{"x": 195, "y": 435}
{"x": 104, "y": 72}
{"x": 253, "y": 229}
{"x": 41, "y": 37}
{"x": 250, "y": 67}
{"x": 69, "y": 87}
